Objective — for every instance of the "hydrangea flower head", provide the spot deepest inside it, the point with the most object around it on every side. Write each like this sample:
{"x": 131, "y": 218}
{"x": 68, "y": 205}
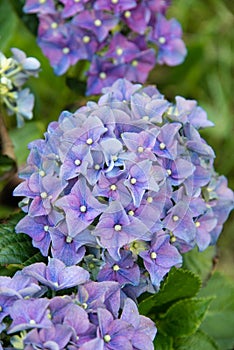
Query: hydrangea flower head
{"x": 130, "y": 183}
{"x": 104, "y": 32}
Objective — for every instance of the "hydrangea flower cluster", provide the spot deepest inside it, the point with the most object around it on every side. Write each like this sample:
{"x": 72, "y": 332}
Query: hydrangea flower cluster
{"x": 87, "y": 316}
{"x": 120, "y": 38}
{"x": 14, "y": 72}
{"x": 124, "y": 187}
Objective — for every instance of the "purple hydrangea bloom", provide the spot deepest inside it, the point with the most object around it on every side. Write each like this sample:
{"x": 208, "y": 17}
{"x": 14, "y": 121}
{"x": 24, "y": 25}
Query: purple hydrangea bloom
{"x": 57, "y": 275}
{"x": 120, "y": 180}
{"x": 160, "y": 257}
{"x": 32, "y": 313}
{"x": 116, "y": 334}
{"x": 15, "y": 288}
{"x": 72, "y": 7}
{"x": 116, "y": 6}
{"x": 167, "y": 35}
{"x": 55, "y": 337}
{"x": 124, "y": 271}
{"x": 144, "y": 328}
{"x": 116, "y": 229}
{"x": 88, "y": 207}
{"x": 98, "y": 22}
{"x": 140, "y": 15}
{"x": 36, "y": 6}
{"x": 105, "y": 34}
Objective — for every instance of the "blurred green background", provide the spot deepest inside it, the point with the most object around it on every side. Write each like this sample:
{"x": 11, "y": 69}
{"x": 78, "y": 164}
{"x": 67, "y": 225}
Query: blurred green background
{"x": 206, "y": 76}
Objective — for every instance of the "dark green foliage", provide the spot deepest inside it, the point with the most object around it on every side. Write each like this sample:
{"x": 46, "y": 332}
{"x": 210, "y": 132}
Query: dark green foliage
{"x": 16, "y": 250}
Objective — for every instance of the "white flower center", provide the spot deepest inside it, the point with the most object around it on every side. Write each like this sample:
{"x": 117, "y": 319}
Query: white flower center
{"x": 119, "y": 51}
{"x": 89, "y": 141}
{"x": 118, "y": 227}
{"x": 153, "y": 255}
{"x": 66, "y": 50}
{"x": 44, "y": 195}
{"x": 54, "y": 25}
{"x": 97, "y": 167}
{"x": 69, "y": 239}
{"x": 162, "y": 145}
{"x": 42, "y": 173}
{"x": 140, "y": 149}
{"x": 107, "y": 338}
{"x": 175, "y": 218}
{"x": 77, "y": 162}
{"x": 102, "y": 75}
{"x": 97, "y": 22}
{"x": 133, "y": 180}
{"x": 162, "y": 40}
{"x": 83, "y": 208}
{"x": 149, "y": 199}
{"x": 86, "y": 39}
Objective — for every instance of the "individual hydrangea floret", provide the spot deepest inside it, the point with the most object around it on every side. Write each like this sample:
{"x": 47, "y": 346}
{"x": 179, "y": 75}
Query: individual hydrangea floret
{"x": 14, "y": 72}
{"x": 105, "y": 34}
{"x": 124, "y": 187}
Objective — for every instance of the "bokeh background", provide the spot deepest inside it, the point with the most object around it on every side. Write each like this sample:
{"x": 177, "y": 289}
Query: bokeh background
{"x": 207, "y": 75}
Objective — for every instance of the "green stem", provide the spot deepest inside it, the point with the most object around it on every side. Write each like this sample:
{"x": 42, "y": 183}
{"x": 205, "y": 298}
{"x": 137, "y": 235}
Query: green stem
{"x": 13, "y": 72}
{"x": 9, "y": 105}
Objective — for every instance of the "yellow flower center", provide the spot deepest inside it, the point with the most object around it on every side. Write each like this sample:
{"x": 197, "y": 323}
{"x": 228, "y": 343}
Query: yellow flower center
{"x": 127, "y": 14}
{"x": 116, "y": 267}
{"x": 86, "y": 39}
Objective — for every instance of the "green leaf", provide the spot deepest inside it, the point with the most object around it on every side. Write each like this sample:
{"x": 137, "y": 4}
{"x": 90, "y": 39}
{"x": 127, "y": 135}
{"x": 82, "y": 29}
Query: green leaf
{"x": 163, "y": 342}
{"x": 200, "y": 263}
{"x": 21, "y": 137}
{"x": 16, "y": 249}
{"x": 77, "y": 86}
{"x": 197, "y": 341}
{"x": 184, "y": 317}
{"x": 30, "y": 20}
{"x": 8, "y": 23}
{"x": 219, "y": 321}
{"x": 179, "y": 284}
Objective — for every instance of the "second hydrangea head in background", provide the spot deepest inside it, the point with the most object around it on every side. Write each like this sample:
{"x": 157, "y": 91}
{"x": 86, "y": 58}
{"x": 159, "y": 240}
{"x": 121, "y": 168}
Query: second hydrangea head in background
{"x": 120, "y": 39}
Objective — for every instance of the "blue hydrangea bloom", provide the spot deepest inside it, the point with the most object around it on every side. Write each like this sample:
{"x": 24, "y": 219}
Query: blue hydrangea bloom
{"x": 127, "y": 180}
